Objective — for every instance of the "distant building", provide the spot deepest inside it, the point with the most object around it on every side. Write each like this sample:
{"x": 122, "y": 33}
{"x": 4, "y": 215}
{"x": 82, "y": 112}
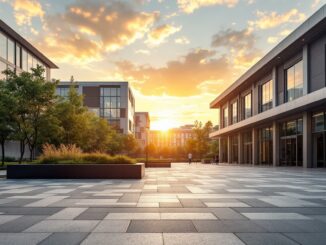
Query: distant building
{"x": 142, "y": 122}
{"x": 19, "y": 55}
{"x": 176, "y": 137}
{"x": 113, "y": 101}
{"x": 275, "y": 113}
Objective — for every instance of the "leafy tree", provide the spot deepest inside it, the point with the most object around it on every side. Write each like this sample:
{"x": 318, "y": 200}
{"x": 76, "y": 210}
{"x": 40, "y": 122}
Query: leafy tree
{"x": 34, "y": 97}
{"x": 201, "y": 141}
{"x": 129, "y": 144}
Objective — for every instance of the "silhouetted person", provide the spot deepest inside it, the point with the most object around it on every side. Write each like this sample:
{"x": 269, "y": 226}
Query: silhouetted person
{"x": 189, "y": 158}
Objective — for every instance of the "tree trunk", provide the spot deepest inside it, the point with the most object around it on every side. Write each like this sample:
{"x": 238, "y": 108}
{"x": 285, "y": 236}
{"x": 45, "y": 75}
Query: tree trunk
{"x": 22, "y": 150}
{"x": 3, "y": 151}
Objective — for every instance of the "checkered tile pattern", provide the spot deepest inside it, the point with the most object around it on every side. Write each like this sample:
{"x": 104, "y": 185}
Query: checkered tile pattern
{"x": 196, "y": 204}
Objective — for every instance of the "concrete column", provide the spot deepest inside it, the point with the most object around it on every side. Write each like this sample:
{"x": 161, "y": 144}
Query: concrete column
{"x": 305, "y": 69}
{"x": 220, "y": 150}
{"x": 255, "y": 100}
{"x": 255, "y": 146}
{"x": 307, "y": 140}
{"x": 240, "y": 148}
{"x": 229, "y": 149}
{"x": 276, "y": 144}
{"x": 274, "y": 78}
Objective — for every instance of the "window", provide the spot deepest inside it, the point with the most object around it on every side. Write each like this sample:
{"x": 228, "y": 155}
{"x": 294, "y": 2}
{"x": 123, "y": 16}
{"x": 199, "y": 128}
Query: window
{"x": 247, "y": 106}
{"x": 11, "y": 51}
{"x": 24, "y": 60}
{"x": 110, "y": 103}
{"x": 266, "y": 96}
{"x": 225, "y": 117}
{"x": 63, "y": 91}
{"x": 234, "y": 112}
{"x": 18, "y": 56}
{"x": 30, "y": 62}
{"x": 3, "y": 46}
{"x": 294, "y": 81}
{"x": 3, "y": 67}
{"x": 318, "y": 122}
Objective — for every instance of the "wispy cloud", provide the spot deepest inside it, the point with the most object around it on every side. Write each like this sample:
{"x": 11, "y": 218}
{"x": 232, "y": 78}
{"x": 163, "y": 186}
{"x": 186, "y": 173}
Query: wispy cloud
{"x": 182, "y": 40}
{"x": 159, "y": 34}
{"x": 267, "y": 20}
{"x": 189, "y": 6}
{"x": 26, "y": 10}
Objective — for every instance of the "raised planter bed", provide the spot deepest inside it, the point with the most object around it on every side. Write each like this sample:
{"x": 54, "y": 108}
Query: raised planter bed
{"x": 158, "y": 164}
{"x": 76, "y": 171}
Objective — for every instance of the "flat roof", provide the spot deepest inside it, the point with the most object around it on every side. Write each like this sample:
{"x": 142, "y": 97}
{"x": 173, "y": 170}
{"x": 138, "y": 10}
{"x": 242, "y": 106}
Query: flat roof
{"x": 96, "y": 83}
{"x": 14, "y": 35}
{"x": 299, "y": 37}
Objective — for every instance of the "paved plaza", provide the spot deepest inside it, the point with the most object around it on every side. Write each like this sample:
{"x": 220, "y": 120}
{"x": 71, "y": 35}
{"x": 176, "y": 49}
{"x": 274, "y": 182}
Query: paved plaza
{"x": 197, "y": 204}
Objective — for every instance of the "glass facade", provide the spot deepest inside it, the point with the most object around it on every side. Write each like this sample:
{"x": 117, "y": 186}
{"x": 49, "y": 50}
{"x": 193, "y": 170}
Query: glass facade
{"x": 234, "y": 108}
{"x": 110, "y": 104}
{"x": 291, "y": 144}
{"x": 11, "y": 52}
{"x": 319, "y": 139}
{"x": 294, "y": 81}
{"x": 234, "y": 149}
{"x": 247, "y": 147}
{"x": 225, "y": 117}
{"x": 63, "y": 91}
{"x": 265, "y": 138}
{"x": 266, "y": 92}
{"x": 247, "y": 106}
{"x": 3, "y": 46}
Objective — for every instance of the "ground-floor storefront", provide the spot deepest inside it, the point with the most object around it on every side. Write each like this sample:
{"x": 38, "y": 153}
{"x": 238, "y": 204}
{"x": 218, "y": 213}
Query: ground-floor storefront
{"x": 299, "y": 140}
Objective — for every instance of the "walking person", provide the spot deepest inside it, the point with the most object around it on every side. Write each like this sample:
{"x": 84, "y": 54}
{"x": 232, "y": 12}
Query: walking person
{"x": 189, "y": 158}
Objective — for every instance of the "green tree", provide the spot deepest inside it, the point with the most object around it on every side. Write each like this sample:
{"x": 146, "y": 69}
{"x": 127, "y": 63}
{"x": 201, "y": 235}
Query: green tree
{"x": 201, "y": 138}
{"x": 34, "y": 97}
{"x": 129, "y": 144}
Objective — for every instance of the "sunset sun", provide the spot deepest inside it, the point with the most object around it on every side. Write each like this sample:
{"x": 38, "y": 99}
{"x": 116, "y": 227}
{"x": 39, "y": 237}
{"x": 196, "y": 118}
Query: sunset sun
{"x": 164, "y": 124}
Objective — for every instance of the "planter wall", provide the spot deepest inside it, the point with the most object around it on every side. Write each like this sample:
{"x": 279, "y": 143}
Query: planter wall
{"x": 76, "y": 171}
{"x": 158, "y": 165}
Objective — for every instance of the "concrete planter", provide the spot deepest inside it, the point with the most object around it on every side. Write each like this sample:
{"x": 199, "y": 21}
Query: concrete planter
{"x": 76, "y": 171}
{"x": 158, "y": 164}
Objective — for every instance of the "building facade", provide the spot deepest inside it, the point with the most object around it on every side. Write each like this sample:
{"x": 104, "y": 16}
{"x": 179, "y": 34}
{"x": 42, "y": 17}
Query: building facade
{"x": 113, "y": 101}
{"x": 175, "y": 137}
{"x": 275, "y": 113}
{"x": 19, "y": 55}
{"x": 142, "y": 121}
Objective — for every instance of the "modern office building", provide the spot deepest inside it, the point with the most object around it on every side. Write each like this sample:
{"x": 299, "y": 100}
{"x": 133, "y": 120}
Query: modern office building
{"x": 19, "y": 55}
{"x": 142, "y": 121}
{"x": 175, "y": 137}
{"x": 113, "y": 101}
{"x": 275, "y": 113}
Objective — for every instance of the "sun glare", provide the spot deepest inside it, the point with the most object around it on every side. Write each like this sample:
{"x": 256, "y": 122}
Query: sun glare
{"x": 163, "y": 125}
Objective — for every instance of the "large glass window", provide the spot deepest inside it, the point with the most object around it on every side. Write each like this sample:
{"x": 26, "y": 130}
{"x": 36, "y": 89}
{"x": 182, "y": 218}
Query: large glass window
{"x": 3, "y": 67}
{"x": 11, "y": 51}
{"x": 247, "y": 147}
{"x": 110, "y": 103}
{"x": 3, "y": 46}
{"x": 266, "y": 96}
{"x": 319, "y": 139}
{"x": 24, "y": 60}
{"x": 247, "y": 106}
{"x": 63, "y": 91}
{"x": 234, "y": 149}
{"x": 291, "y": 142}
{"x": 294, "y": 81}
{"x": 234, "y": 112}
{"x": 18, "y": 56}
{"x": 266, "y": 146}
{"x": 225, "y": 117}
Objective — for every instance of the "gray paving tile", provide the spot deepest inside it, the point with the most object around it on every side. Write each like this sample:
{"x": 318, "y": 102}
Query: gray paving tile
{"x": 64, "y": 238}
{"x": 192, "y": 203}
{"x": 227, "y": 213}
{"x": 201, "y": 238}
{"x": 154, "y": 226}
{"x": 63, "y": 226}
{"x": 124, "y": 239}
{"x": 30, "y": 211}
{"x": 20, "y": 224}
{"x": 308, "y": 238}
{"x": 227, "y": 226}
{"x": 22, "y": 238}
{"x": 265, "y": 238}
{"x": 170, "y": 205}
{"x": 112, "y": 226}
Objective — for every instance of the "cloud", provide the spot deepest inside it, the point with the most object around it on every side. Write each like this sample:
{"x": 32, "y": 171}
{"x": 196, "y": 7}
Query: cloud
{"x": 182, "y": 40}
{"x": 142, "y": 51}
{"x": 189, "y": 6}
{"x": 26, "y": 10}
{"x": 272, "y": 39}
{"x": 267, "y": 20}
{"x": 315, "y": 4}
{"x": 159, "y": 34}
{"x": 240, "y": 44}
{"x": 180, "y": 77}
{"x": 87, "y": 29}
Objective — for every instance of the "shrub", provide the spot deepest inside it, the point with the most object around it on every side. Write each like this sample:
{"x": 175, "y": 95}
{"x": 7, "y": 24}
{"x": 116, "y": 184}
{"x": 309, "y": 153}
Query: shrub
{"x": 71, "y": 154}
